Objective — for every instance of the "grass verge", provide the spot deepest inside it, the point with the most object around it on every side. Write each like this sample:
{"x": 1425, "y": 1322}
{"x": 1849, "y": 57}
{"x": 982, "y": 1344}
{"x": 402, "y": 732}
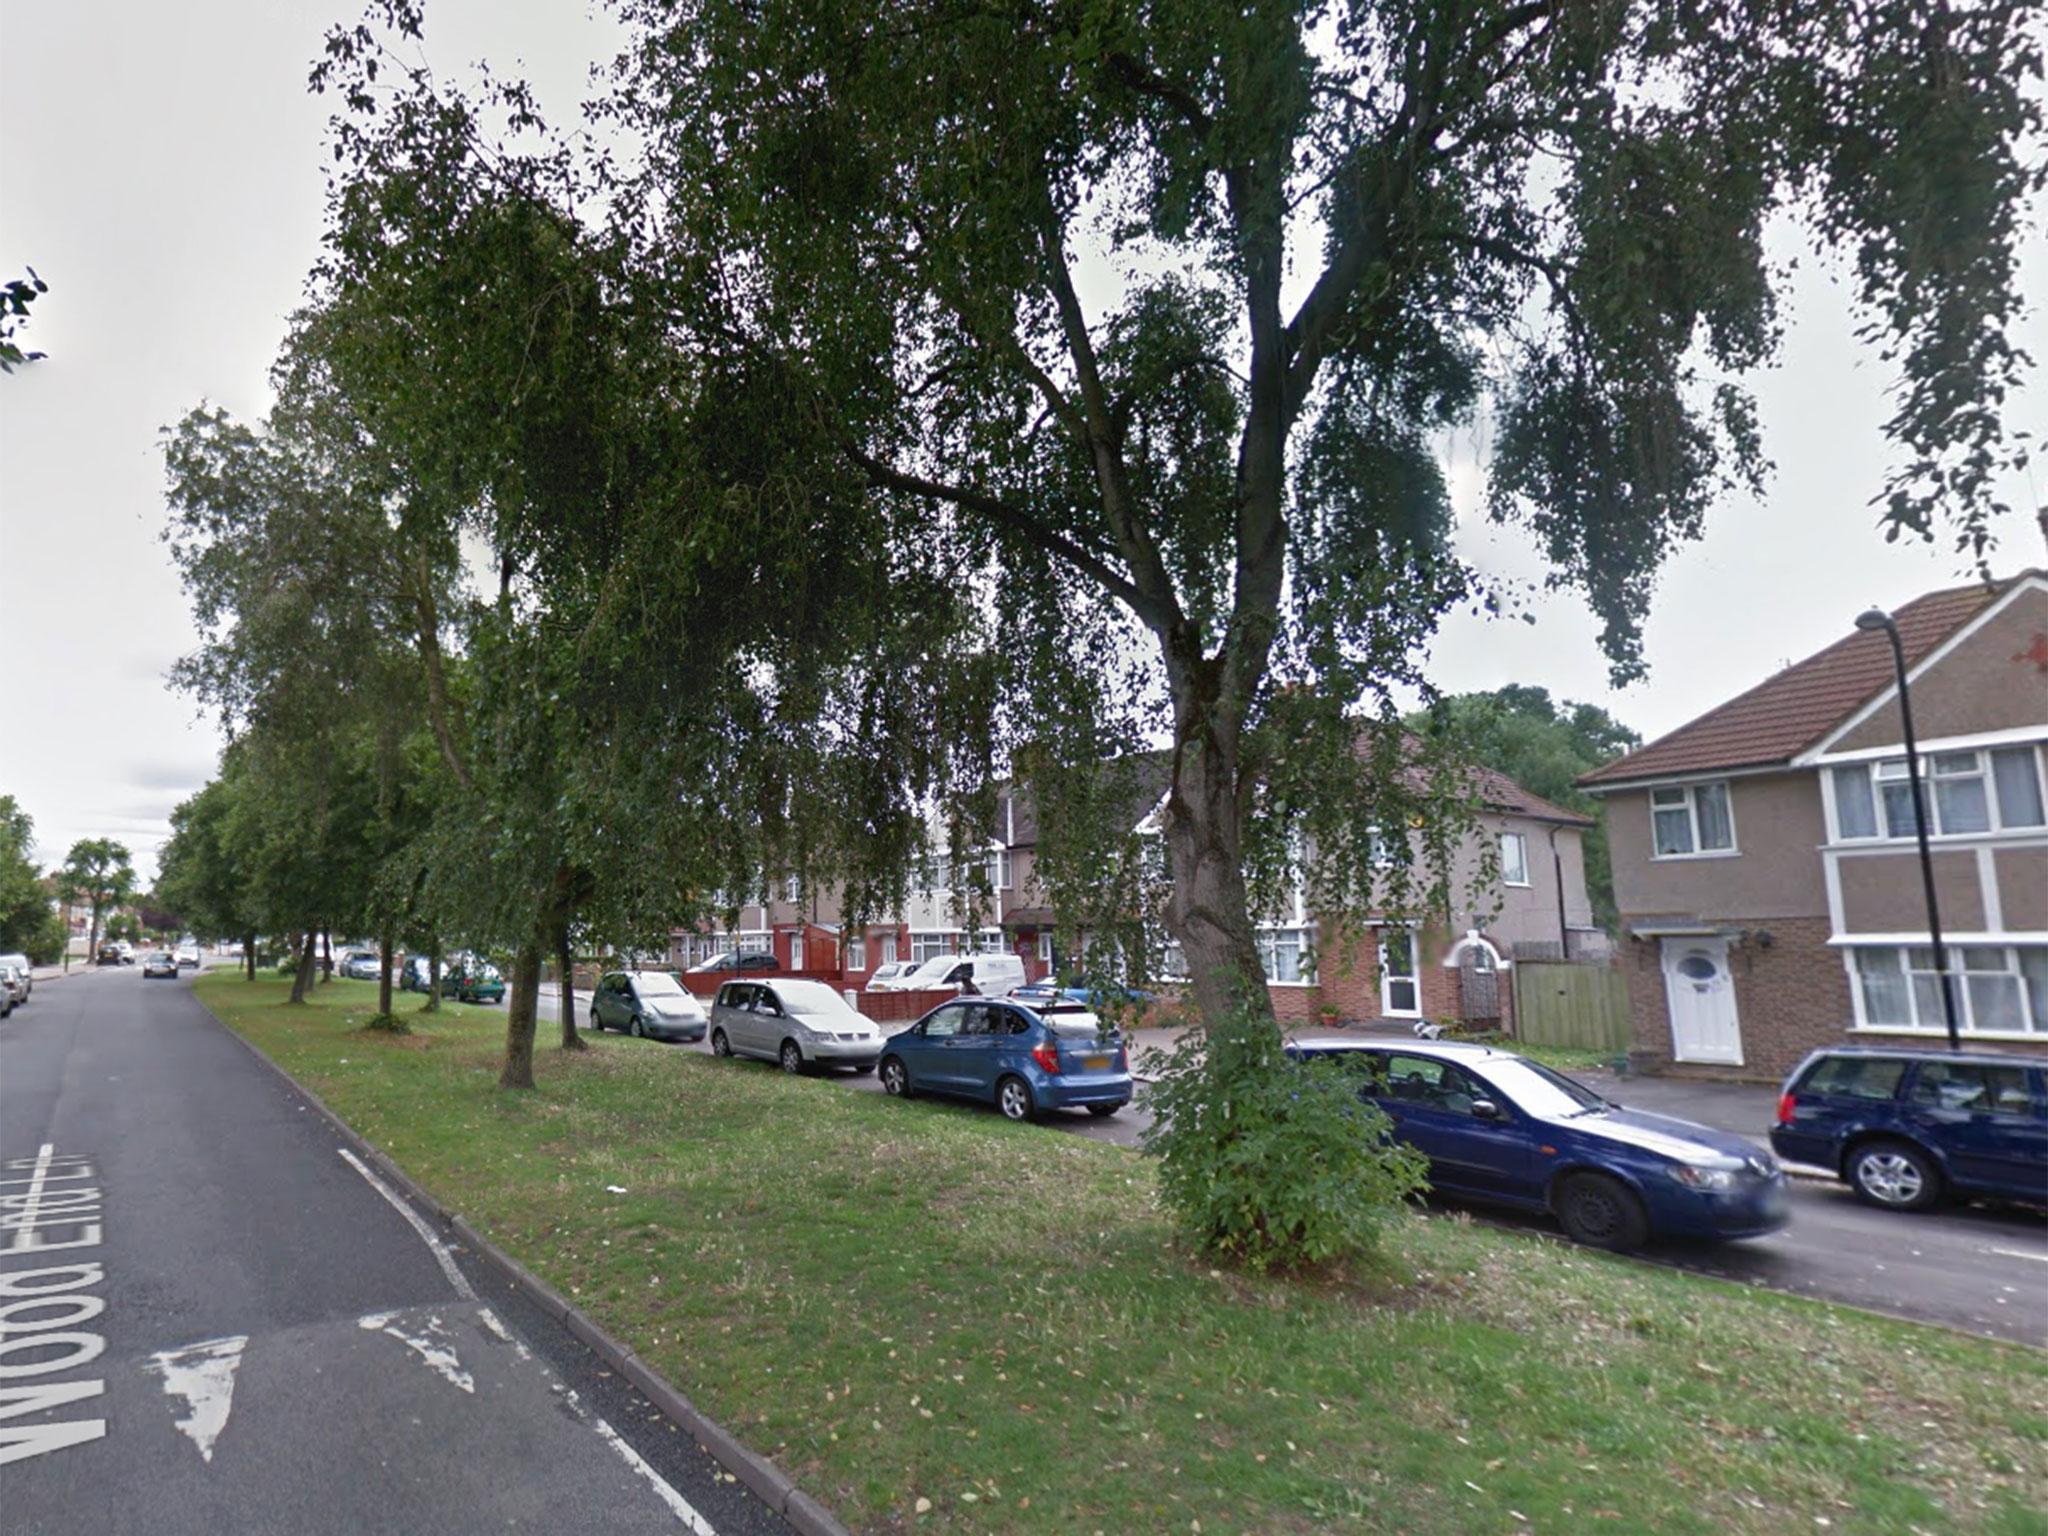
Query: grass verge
{"x": 936, "y": 1321}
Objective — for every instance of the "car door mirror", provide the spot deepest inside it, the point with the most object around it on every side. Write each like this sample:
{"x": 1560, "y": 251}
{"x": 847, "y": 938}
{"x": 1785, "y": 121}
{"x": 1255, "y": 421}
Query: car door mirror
{"x": 1486, "y": 1109}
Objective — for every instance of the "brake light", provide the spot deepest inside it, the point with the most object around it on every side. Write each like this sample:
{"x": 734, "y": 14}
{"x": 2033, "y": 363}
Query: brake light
{"x": 1785, "y": 1102}
{"x": 1047, "y": 1055}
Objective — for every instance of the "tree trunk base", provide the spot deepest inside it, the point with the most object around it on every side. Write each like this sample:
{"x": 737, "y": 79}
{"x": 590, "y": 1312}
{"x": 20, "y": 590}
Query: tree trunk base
{"x": 388, "y": 1024}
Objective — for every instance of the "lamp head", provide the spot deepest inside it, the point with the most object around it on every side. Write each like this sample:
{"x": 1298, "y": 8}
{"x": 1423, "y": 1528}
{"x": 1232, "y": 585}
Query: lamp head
{"x": 1873, "y": 619}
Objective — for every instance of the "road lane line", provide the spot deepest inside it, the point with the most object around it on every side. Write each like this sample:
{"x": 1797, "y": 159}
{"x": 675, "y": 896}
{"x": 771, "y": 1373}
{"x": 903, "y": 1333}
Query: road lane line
{"x": 2018, "y": 1253}
{"x": 413, "y": 1219}
{"x": 678, "y": 1506}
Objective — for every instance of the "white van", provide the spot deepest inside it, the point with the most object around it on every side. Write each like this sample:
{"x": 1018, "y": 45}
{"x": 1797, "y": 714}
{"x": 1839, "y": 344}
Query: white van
{"x": 976, "y": 975}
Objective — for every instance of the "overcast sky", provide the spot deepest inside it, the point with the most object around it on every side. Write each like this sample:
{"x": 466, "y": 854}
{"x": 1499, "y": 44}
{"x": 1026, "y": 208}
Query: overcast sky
{"x": 161, "y": 167}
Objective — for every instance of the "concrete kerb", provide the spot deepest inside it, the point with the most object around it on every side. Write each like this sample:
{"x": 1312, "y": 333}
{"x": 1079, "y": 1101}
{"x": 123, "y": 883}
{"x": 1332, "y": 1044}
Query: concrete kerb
{"x": 767, "y": 1481}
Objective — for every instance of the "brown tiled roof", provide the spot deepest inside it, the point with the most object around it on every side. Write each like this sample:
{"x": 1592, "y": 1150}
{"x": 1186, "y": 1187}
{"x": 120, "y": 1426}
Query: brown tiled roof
{"x": 1501, "y": 793}
{"x": 1791, "y": 710}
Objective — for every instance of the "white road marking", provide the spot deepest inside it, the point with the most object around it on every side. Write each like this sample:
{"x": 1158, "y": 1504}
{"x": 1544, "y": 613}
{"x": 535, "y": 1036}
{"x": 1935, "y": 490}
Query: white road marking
{"x": 427, "y": 1341}
{"x": 2019, "y": 1253}
{"x": 490, "y": 1320}
{"x": 204, "y": 1375}
{"x": 678, "y": 1506}
{"x": 440, "y": 1249}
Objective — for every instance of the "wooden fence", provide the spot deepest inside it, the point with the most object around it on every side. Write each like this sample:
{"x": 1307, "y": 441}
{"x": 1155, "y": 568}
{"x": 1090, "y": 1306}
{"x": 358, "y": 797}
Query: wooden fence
{"x": 1561, "y": 1003}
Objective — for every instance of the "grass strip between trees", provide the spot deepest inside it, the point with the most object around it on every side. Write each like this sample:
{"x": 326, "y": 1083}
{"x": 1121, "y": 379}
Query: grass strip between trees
{"x": 937, "y": 1321}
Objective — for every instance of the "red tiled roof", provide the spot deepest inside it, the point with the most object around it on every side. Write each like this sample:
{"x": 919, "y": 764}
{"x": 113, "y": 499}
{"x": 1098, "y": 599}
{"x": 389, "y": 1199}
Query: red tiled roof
{"x": 1791, "y": 710}
{"x": 1501, "y": 793}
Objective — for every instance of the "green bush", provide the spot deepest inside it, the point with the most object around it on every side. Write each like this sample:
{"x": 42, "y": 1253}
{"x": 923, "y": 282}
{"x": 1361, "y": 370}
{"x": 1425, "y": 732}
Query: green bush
{"x": 1273, "y": 1163}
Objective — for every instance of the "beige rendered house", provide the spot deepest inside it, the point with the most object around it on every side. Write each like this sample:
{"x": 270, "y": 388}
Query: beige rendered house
{"x": 1765, "y": 860}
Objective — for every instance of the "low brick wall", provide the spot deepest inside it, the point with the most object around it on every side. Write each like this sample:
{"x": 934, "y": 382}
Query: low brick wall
{"x": 902, "y": 1007}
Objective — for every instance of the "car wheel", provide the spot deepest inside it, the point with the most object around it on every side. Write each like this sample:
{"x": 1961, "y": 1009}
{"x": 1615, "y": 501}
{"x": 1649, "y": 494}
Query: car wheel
{"x": 1013, "y": 1098}
{"x": 895, "y": 1078}
{"x": 720, "y": 1046}
{"x": 1895, "y": 1175}
{"x": 1103, "y": 1111}
{"x": 638, "y": 1032}
{"x": 792, "y": 1057}
{"x": 1601, "y": 1213}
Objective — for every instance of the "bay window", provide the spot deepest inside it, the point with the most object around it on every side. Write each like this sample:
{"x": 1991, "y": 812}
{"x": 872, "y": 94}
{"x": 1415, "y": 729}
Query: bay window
{"x": 1998, "y": 988}
{"x": 1966, "y": 792}
{"x": 1691, "y": 819}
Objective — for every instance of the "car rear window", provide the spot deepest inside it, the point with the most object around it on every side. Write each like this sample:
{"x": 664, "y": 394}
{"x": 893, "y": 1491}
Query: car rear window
{"x": 1856, "y": 1077}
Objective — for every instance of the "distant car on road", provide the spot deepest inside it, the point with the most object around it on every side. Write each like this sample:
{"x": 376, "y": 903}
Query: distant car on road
{"x": 738, "y": 960}
{"x": 1500, "y": 1128}
{"x": 468, "y": 979}
{"x": 362, "y": 965}
{"x": 162, "y": 963}
{"x": 796, "y": 1022}
{"x": 646, "y": 1003}
{"x": 14, "y": 982}
{"x": 188, "y": 957}
{"x": 1023, "y": 1060}
{"x": 885, "y": 976}
{"x": 1906, "y": 1128}
{"x": 1104, "y": 995}
{"x": 28, "y": 976}
{"x": 110, "y": 954}
{"x": 127, "y": 952}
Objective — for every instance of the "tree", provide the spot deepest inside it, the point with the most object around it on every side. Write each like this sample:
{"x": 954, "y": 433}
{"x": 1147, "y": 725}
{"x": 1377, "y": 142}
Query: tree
{"x": 1150, "y": 316}
{"x": 28, "y": 924}
{"x": 1544, "y": 746}
{"x": 199, "y": 874}
{"x": 98, "y": 872}
{"x": 16, "y": 295}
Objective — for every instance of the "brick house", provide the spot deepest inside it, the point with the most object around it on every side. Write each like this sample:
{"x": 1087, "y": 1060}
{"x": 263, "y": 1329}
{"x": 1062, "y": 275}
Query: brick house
{"x": 1765, "y": 864}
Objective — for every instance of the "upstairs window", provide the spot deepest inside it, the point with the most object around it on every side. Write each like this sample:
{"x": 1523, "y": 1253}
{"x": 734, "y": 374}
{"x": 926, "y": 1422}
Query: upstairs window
{"x": 1966, "y": 793}
{"x": 1514, "y": 859}
{"x": 1691, "y": 820}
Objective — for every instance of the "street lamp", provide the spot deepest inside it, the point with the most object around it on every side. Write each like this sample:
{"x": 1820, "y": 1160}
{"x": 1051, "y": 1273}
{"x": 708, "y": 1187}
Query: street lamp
{"x": 1875, "y": 619}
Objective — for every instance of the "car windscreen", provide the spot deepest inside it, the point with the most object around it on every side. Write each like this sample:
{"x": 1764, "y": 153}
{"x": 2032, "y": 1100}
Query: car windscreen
{"x": 656, "y": 984}
{"x": 813, "y": 999}
{"x": 1536, "y": 1088}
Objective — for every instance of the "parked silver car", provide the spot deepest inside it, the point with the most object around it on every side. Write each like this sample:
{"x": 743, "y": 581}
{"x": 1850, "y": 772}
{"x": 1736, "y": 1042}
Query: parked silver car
{"x": 20, "y": 963}
{"x": 15, "y": 984}
{"x": 795, "y": 1022}
{"x": 647, "y": 1003}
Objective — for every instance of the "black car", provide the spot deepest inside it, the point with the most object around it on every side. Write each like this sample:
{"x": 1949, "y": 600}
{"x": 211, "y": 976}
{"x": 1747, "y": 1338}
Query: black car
{"x": 1905, "y": 1127}
{"x": 110, "y": 954}
{"x": 739, "y": 960}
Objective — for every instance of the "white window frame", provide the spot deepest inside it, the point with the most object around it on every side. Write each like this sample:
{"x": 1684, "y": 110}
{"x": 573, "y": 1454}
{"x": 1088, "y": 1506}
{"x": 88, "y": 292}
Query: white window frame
{"x": 857, "y": 952}
{"x": 889, "y": 948}
{"x": 1690, "y": 805}
{"x": 1520, "y": 840}
{"x": 1892, "y": 770}
{"x": 1268, "y": 940}
{"x": 989, "y": 941}
{"x": 754, "y": 942}
{"x": 930, "y": 943}
{"x": 1935, "y": 1022}
{"x": 1413, "y": 976}
{"x": 1045, "y": 946}
{"x": 793, "y": 889}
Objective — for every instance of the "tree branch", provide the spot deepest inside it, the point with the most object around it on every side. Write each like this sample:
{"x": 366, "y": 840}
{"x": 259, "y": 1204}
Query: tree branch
{"x": 437, "y": 677}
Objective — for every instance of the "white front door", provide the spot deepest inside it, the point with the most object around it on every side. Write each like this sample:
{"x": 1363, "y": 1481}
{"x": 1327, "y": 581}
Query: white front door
{"x": 1701, "y": 994}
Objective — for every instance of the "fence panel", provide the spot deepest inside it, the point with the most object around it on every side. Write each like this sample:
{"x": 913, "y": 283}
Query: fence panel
{"x": 1581, "y": 1006}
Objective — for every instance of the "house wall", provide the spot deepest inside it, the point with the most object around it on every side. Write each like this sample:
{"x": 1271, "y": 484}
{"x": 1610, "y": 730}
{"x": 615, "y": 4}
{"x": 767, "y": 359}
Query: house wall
{"x": 1992, "y": 681}
{"x": 1883, "y": 892}
{"x": 2022, "y": 883}
{"x": 1509, "y": 914}
{"x": 1775, "y": 873}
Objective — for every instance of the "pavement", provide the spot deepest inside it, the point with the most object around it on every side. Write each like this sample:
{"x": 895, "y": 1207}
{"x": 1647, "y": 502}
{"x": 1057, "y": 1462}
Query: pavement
{"x": 213, "y": 1319}
{"x": 1980, "y": 1268}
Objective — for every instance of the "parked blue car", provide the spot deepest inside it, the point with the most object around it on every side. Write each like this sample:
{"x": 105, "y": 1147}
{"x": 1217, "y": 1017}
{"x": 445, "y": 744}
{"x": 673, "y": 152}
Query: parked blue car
{"x": 1046, "y": 990}
{"x": 1023, "y": 1060}
{"x": 1906, "y": 1127}
{"x": 1500, "y": 1128}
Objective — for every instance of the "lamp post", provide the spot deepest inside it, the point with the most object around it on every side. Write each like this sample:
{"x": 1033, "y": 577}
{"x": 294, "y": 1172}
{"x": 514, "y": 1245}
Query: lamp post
{"x": 1876, "y": 619}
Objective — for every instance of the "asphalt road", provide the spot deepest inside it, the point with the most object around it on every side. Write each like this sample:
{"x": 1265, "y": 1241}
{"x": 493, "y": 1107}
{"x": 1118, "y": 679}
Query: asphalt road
{"x": 212, "y": 1321}
{"x": 1980, "y": 1268}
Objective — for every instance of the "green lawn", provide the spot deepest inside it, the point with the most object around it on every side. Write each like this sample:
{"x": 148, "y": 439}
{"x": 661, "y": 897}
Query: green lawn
{"x": 903, "y": 1303}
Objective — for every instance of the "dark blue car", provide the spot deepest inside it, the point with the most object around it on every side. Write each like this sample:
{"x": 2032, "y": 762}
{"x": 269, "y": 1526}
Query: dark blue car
{"x": 1905, "y": 1127}
{"x": 1020, "y": 1059}
{"x": 1500, "y": 1128}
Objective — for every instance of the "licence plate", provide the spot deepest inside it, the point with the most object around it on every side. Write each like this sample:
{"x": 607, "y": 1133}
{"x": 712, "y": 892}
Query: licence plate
{"x": 1095, "y": 1063}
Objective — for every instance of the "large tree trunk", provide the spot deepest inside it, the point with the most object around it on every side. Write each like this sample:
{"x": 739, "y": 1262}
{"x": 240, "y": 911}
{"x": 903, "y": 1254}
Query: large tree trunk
{"x": 433, "y": 1003}
{"x": 302, "y": 979}
{"x": 249, "y": 952}
{"x": 1208, "y": 912}
{"x": 327, "y": 954}
{"x": 384, "y": 975}
{"x": 522, "y": 1011}
{"x": 571, "y": 1041}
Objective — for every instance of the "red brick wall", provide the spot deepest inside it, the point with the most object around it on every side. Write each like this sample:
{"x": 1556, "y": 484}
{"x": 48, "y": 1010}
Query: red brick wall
{"x": 1790, "y": 998}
